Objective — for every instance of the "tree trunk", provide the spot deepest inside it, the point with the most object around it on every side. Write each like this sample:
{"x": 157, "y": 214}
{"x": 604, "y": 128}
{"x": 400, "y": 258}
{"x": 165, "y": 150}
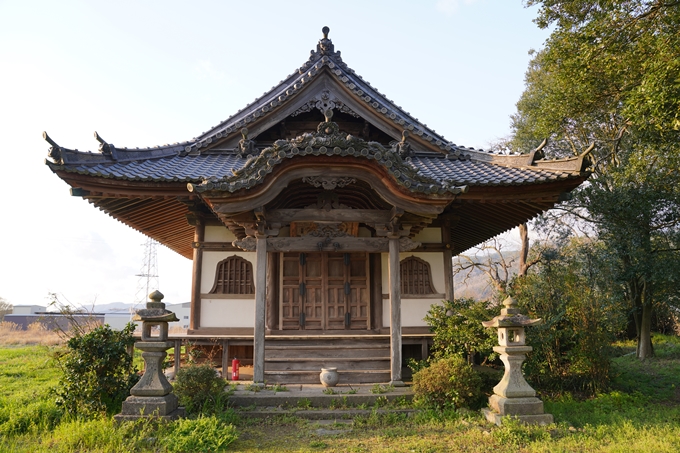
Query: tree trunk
{"x": 524, "y": 251}
{"x": 644, "y": 348}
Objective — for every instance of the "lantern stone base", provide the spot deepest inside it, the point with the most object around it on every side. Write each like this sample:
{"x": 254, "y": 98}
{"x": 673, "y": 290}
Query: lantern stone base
{"x": 161, "y": 407}
{"x": 528, "y": 410}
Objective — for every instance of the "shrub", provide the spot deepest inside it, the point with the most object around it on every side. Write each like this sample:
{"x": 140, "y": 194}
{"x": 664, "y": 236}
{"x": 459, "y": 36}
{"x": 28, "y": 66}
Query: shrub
{"x": 200, "y": 389}
{"x": 448, "y": 383}
{"x": 458, "y": 330}
{"x": 199, "y": 435}
{"x": 568, "y": 290}
{"x": 97, "y": 371}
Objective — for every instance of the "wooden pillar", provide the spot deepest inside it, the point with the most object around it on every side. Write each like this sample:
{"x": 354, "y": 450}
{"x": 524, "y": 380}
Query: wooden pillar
{"x": 272, "y": 293}
{"x": 178, "y": 354}
{"x": 260, "y": 311}
{"x": 225, "y": 359}
{"x": 195, "y": 311}
{"x": 448, "y": 259}
{"x": 395, "y": 311}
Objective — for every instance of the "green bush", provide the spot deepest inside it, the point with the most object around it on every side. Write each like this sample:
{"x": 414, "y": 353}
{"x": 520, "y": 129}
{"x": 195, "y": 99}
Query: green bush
{"x": 97, "y": 371}
{"x": 448, "y": 383}
{"x": 200, "y": 435}
{"x": 458, "y": 330}
{"x": 200, "y": 389}
{"x": 567, "y": 289}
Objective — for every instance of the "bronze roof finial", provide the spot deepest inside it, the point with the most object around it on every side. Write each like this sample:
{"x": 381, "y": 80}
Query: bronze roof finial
{"x": 325, "y": 31}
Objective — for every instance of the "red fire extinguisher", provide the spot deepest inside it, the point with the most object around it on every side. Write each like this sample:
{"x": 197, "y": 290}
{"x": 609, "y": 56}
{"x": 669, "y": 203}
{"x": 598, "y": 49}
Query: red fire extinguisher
{"x": 234, "y": 369}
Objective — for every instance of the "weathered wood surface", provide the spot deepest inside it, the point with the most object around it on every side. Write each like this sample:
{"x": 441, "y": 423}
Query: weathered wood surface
{"x": 395, "y": 310}
{"x": 195, "y": 309}
{"x": 333, "y": 215}
{"x": 316, "y": 244}
{"x": 260, "y": 309}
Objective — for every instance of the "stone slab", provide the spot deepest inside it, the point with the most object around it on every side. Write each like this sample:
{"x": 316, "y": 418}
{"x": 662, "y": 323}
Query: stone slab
{"x": 329, "y": 415}
{"x": 157, "y": 405}
{"x": 313, "y": 395}
{"x": 515, "y": 406}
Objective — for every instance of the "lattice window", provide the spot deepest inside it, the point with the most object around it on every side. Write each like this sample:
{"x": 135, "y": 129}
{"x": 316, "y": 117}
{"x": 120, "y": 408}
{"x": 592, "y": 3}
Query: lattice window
{"x": 416, "y": 276}
{"x": 234, "y": 276}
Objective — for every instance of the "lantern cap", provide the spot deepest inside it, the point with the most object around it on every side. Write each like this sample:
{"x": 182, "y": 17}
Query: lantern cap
{"x": 511, "y": 316}
{"x": 155, "y": 310}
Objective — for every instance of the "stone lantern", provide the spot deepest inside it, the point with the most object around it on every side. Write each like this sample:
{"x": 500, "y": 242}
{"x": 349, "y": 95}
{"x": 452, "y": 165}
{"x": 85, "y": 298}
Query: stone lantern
{"x": 513, "y": 396}
{"x": 152, "y": 396}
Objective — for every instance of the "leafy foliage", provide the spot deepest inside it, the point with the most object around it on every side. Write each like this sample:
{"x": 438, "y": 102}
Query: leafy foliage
{"x": 200, "y": 389}
{"x": 608, "y": 75}
{"x": 568, "y": 290}
{"x": 5, "y": 308}
{"x": 447, "y": 383}
{"x": 97, "y": 371}
{"x": 458, "y": 330}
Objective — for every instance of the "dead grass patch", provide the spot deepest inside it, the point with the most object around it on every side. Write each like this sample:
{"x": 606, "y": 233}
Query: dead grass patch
{"x": 35, "y": 334}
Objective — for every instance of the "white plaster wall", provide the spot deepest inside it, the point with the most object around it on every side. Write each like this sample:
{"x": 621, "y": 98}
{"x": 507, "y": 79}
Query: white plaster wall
{"x": 218, "y": 234}
{"x": 435, "y": 259}
{"x": 210, "y": 260}
{"x": 413, "y": 311}
{"x": 429, "y": 235}
{"x": 227, "y": 313}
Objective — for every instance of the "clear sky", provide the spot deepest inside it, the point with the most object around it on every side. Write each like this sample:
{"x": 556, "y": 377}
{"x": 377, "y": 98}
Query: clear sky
{"x": 146, "y": 73}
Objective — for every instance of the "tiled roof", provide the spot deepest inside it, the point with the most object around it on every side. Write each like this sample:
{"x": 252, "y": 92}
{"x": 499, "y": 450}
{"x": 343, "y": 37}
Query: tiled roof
{"x": 198, "y": 168}
{"x": 202, "y": 159}
{"x": 325, "y": 60}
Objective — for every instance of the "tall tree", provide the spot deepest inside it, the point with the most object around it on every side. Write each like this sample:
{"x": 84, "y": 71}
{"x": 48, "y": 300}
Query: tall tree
{"x": 609, "y": 75}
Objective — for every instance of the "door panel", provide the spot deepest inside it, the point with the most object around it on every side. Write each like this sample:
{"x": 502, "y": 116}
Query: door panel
{"x": 291, "y": 302}
{"x": 330, "y": 289}
{"x": 358, "y": 298}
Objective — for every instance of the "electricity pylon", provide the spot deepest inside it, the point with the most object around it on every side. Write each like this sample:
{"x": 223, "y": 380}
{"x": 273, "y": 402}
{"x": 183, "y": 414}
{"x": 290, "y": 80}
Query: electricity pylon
{"x": 148, "y": 275}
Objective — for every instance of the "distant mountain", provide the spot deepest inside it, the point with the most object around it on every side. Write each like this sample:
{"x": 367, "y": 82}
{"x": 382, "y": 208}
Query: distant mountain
{"x": 113, "y": 307}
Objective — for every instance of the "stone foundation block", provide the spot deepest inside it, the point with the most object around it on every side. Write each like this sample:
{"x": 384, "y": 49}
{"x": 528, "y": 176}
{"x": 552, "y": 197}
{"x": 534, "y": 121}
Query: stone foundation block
{"x": 515, "y": 406}
{"x": 539, "y": 419}
{"x": 164, "y": 407}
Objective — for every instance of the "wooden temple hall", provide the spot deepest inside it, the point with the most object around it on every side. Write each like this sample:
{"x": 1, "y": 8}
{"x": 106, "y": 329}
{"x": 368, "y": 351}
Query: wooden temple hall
{"x": 321, "y": 219}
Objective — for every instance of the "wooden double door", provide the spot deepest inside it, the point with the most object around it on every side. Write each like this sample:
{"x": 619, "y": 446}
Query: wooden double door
{"x": 324, "y": 291}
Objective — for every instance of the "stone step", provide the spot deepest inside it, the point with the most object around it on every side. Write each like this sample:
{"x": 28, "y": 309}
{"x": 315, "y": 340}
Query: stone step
{"x": 304, "y": 396}
{"x": 333, "y": 415}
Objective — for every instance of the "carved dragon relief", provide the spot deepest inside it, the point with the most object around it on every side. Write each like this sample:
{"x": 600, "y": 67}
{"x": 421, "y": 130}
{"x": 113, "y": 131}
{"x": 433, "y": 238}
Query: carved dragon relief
{"x": 329, "y": 141}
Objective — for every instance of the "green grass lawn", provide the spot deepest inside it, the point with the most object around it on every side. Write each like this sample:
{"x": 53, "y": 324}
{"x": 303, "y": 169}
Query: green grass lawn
{"x": 642, "y": 414}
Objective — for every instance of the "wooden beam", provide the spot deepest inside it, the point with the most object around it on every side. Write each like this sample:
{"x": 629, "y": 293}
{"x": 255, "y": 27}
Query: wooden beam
{"x": 334, "y": 215}
{"x": 311, "y": 244}
{"x": 215, "y": 246}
